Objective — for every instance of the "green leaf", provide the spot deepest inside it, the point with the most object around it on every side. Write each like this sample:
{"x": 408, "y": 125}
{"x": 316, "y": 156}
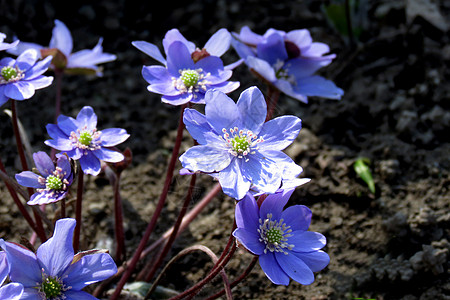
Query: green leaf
{"x": 361, "y": 167}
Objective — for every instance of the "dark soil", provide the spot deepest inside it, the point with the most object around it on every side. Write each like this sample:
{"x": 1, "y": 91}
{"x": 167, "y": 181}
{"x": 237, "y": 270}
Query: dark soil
{"x": 393, "y": 244}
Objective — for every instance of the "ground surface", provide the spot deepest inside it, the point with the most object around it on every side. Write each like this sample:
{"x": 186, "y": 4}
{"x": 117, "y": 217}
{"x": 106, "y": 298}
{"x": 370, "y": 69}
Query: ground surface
{"x": 391, "y": 245}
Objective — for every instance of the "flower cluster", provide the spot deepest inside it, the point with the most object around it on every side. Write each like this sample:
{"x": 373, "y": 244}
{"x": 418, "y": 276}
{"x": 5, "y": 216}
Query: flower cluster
{"x": 54, "y": 271}
{"x": 287, "y": 61}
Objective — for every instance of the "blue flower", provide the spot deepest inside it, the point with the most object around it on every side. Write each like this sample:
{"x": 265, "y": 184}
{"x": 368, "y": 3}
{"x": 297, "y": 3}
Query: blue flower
{"x": 61, "y": 45}
{"x": 54, "y": 272}
{"x": 6, "y": 46}
{"x": 280, "y": 238}
{"x": 288, "y": 61}
{"x": 11, "y": 291}
{"x": 188, "y": 72}
{"x": 237, "y": 146}
{"x": 80, "y": 140}
{"x": 21, "y": 77}
{"x": 53, "y": 182}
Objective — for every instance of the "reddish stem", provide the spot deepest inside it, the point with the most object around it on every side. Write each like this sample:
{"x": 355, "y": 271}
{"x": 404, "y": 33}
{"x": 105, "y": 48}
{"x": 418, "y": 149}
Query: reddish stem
{"x": 159, "y": 207}
{"x": 78, "y": 208}
{"x": 273, "y": 94}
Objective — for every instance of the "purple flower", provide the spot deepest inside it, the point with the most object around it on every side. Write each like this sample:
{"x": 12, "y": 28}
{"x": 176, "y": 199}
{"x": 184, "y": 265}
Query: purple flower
{"x": 288, "y": 61}
{"x": 11, "y": 291}
{"x": 54, "y": 272}
{"x": 53, "y": 182}
{"x": 280, "y": 238}
{"x": 188, "y": 72}
{"x": 61, "y": 45}
{"x": 19, "y": 78}
{"x": 237, "y": 146}
{"x": 6, "y": 46}
{"x": 80, "y": 140}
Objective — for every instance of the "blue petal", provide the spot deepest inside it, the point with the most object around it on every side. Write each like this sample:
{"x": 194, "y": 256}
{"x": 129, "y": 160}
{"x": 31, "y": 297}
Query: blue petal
{"x": 196, "y": 124}
{"x": 4, "y": 267}
{"x": 205, "y": 158}
{"x": 56, "y": 254}
{"x": 274, "y": 204}
{"x": 272, "y": 49}
{"x": 176, "y": 99}
{"x": 233, "y": 183}
{"x": 12, "y": 291}
{"x": 30, "y": 293}
{"x": 61, "y": 38}
{"x": 247, "y": 213}
{"x": 295, "y": 268}
{"x": 29, "y": 179}
{"x": 212, "y": 65}
{"x": 316, "y": 260}
{"x": 242, "y": 50}
{"x": 40, "y": 82}
{"x": 78, "y": 295}
{"x": 221, "y": 111}
{"x": 301, "y": 67}
{"x": 26, "y": 59}
{"x": 44, "y": 163}
{"x": 262, "y": 172}
{"x": 64, "y": 163}
{"x": 226, "y": 87}
{"x": 150, "y": 49}
{"x": 67, "y": 124}
{"x": 60, "y": 144}
{"x": 174, "y": 35}
{"x": 39, "y": 68}
{"x": 108, "y": 155}
{"x": 253, "y": 109}
{"x": 19, "y": 90}
{"x": 23, "y": 263}
{"x": 272, "y": 269}
{"x": 165, "y": 88}
{"x": 156, "y": 74}
{"x": 280, "y": 132}
{"x": 218, "y": 43}
{"x": 250, "y": 240}
{"x": 306, "y": 241}
{"x": 44, "y": 197}
{"x": 113, "y": 136}
{"x": 90, "y": 269}
{"x": 318, "y": 86}
{"x": 262, "y": 68}
{"x": 87, "y": 117}
{"x": 90, "y": 164}
{"x": 178, "y": 58}
{"x": 3, "y": 98}
{"x": 55, "y": 132}
{"x": 298, "y": 217}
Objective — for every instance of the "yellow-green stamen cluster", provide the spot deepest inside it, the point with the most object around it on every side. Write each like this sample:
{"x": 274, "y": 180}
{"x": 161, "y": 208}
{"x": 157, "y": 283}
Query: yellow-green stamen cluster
{"x": 10, "y": 74}
{"x": 190, "y": 77}
{"x": 54, "y": 183}
{"x": 85, "y": 138}
{"x": 240, "y": 142}
{"x": 191, "y": 81}
{"x": 52, "y": 287}
{"x": 274, "y": 234}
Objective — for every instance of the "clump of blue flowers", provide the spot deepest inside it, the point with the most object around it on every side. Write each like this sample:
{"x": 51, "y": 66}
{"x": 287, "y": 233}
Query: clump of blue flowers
{"x": 281, "y": 239}
{"x": 19, "y": 78}
{"x": 80, "y": 140}
{"x": 188, "y": 72}
{"x": 52, "y": 183}
{"x": 287, "y": 61}
{"x": 54, "y": 271}
{"x": 237, "y": 146}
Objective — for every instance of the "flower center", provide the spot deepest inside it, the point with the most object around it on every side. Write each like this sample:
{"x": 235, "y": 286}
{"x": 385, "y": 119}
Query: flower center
{"x": 52, "y": 287}
{"x": 240, "y": 142}
{"x": 10, "y": 74}
{"x": 190, "y": 77}
{"x": 191, "y": 81}
{"x": 274, "y": 234}
{"x": 54, "y": 183}
{"x": 85, "y": 138}
{"x": 282, "y": 72}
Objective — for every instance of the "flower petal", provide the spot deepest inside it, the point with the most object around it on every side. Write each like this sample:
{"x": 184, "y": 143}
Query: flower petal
{"x": 250, "y": 240}
{"x": 19, "y": 90}
{"x": 218, "y": 43}
{"x": 253, "y": 108}
{"x": 4, "y": 267}
{"x": 274, "y": 204}
{"x": 150, "y": 49}
{"x": 30, "y": 293}
{"x": 318, "y": 86}
{"x": 43, "y": 163}
{"x": 90, "y": 269}
{"x": 108, "y": 155}
{"x": 174, "y": 35}
{"x": 87, "y": 117}
{"x": 295, "y": 268}
{"x": 205, "y": 158}
{"x": 113, "y": 136}
{"x": 12, "y": 291}
{"x": 221, "y": 111}
{"x": 26, "y": 59}
{"x": 262, "y": 172}
{"x": 41, "y": 82}
{"x": 298, "y": 217}
{"x": 178, "y": 58}
{"x": 307, "y": 241}
{"x": 61, "y": 38}
{"x": 56, "y": 254}
{"x": 233, "y": 183}
{"x": 280, "y": 132}
{"x": 24, "y": 267}
{"x": 262, "y": 68}
{"x": 90, "y": 164}
{"x": 67, "y": 124}
{"x": 247, "y": 213}
{"x": 156, "y": 74}
{"x": 196, "y": 124}
{"x": 316, "y": 260}
{"x": 29, "y": 179}
{"x": 78, "y": 295}
{"x": 38, "y": 69}
{"x": 272, "y": 269}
